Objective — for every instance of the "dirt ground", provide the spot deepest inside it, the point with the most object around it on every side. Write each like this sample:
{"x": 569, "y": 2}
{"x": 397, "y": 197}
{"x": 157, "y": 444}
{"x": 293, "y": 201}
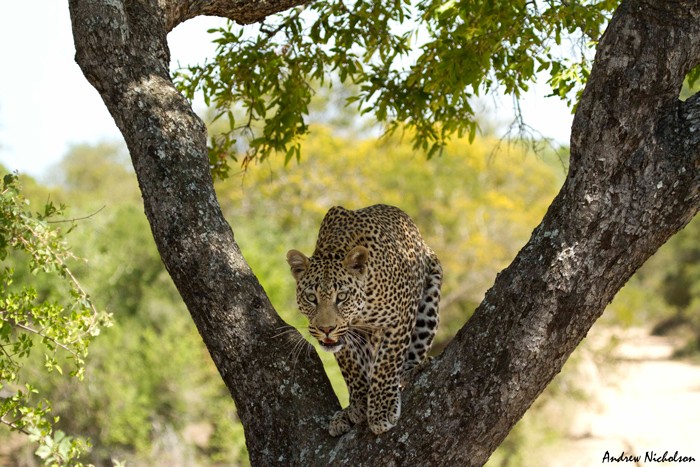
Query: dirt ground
{"x": 645, "y": 405}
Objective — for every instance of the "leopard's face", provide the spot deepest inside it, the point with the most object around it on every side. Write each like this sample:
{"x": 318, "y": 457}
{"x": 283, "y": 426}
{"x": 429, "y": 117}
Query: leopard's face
{"x": 331, "y": 293}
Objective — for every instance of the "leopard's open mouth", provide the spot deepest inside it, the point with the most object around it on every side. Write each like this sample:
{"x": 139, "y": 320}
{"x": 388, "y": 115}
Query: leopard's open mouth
{"x": 331, "y": 345}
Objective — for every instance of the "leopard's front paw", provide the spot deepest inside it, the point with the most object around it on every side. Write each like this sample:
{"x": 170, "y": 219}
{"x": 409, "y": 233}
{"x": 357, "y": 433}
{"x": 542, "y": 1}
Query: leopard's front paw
{"x": 384, "y": 417}
{"x": 343, "y": 420}
{"x": 340, "y": 423}
{"x": 381, "y": 425}
{"x": 357, "y": 413}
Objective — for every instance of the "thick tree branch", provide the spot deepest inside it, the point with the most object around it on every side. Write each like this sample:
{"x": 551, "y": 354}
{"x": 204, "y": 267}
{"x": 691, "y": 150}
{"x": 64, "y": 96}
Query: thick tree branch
{"x": 634, "y": 181}
{"x": 240, "y": 11}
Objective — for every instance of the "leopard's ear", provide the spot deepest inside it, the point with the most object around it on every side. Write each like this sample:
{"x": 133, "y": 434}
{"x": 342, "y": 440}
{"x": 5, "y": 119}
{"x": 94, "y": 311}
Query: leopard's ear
{"x": 356, "y": 260}
{"x": 298, "y": 263}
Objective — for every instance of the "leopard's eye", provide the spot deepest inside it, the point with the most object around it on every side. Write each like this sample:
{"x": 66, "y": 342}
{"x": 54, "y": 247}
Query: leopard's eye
{"x": 341, "y": 297}
{"x": 310, "y": 297}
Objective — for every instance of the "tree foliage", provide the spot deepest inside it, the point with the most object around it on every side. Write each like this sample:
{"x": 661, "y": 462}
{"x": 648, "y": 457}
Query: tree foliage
{"x": 34, "y": 327}
{"x": 467, "y": 49}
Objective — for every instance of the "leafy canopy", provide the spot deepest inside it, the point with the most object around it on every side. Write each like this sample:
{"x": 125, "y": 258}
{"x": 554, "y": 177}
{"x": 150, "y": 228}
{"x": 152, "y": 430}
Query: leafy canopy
{"x": 34, "y": 327}
{"x": 415, "y": 65}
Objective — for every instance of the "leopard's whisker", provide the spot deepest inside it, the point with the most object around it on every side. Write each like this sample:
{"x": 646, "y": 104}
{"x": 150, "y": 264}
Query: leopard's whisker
{"x": 299, "y": 345}
{"x": 351, "y": 338}
{"x": 297, "y": 340}
{"x": 365, "y": 327}
{"x": 288, "y": 330}
{"x": 308, "y": 350}
{"x": 363, "y": 334}
{"x": 357, "y": 339}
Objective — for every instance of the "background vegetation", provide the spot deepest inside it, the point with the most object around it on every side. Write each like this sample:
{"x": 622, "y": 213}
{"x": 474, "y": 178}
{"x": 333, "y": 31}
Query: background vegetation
{"x": 150, "y": 394}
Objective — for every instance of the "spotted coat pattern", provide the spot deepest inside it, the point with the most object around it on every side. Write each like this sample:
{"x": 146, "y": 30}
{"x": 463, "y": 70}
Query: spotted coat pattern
{"x": 371, "y": 291}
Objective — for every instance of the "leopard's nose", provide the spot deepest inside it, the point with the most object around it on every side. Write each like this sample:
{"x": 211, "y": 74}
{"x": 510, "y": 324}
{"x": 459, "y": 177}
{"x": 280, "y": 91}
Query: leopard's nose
{"x": 327, "y": 329}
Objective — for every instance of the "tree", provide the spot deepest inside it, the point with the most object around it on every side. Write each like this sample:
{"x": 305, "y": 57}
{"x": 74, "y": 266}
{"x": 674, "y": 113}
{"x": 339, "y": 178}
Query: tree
{"x": 634, "y": 181}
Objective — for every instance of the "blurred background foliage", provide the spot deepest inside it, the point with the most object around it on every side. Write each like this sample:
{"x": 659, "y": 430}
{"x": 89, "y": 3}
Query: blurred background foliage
{"x": 152, "y": 396}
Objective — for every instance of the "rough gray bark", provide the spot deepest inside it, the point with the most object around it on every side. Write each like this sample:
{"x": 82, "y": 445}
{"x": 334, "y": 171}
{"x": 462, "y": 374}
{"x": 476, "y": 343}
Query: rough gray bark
{"x": 634, "y": 181}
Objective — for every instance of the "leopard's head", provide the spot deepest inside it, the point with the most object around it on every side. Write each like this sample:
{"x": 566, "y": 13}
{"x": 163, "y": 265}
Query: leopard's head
{"x": 330, "y": 292}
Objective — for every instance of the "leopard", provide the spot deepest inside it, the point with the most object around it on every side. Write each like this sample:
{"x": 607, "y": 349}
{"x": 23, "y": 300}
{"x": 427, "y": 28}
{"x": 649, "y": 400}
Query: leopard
{"x": 371, "y": 293}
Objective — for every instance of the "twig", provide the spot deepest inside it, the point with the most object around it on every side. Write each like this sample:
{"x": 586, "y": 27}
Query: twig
{"x": 77, "y": 218}
{"x": 39, "y": 333}
{"x": 14, "y": 426}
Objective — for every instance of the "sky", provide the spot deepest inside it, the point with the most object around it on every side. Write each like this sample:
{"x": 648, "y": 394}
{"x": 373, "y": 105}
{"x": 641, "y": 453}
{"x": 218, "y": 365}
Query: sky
{"x": 47, "y": 105}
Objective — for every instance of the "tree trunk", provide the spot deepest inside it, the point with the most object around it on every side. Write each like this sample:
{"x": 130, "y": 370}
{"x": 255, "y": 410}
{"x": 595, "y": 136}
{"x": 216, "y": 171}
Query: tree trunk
{"x": 634, "y": 181}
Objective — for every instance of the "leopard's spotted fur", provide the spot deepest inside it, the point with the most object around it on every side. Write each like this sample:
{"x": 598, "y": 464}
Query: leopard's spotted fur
{"x": 371, "y": 291}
